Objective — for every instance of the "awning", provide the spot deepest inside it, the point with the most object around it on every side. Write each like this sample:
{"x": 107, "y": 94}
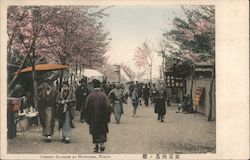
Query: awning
{"x": 44, "y": 67}
{"x": 91, "y": 73}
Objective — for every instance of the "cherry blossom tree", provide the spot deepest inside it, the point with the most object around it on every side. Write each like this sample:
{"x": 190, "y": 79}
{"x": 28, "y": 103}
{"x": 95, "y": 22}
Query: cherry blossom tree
{"x": 143, "y": 58}
{"x": 193, "y": 34}
{"x": 129, "y": 72}
{"x": 193, "y": 37}
{"x": 72, "y": 35}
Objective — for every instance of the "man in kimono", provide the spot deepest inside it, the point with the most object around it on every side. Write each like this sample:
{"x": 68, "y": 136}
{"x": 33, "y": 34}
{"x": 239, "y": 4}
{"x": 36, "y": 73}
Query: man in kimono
{"x": 81, "y": 95}
{"x": 47, "y": 108}
{"x": 131, "y": 88}
{"x": 146, "y": 94}
{"x": 152, "y": 93}
{"x": 105, "y": 87}
{"x": 116, "y": 95}
{"x": 66, "y": 111}
{"x": 97, "y": 115}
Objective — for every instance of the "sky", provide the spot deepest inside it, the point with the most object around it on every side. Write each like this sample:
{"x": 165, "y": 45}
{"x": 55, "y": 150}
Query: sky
{"x": 131, "y": 25}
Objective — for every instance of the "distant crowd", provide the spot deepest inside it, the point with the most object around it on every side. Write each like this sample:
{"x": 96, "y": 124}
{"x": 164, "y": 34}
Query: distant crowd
{"x": 95, "y": 101}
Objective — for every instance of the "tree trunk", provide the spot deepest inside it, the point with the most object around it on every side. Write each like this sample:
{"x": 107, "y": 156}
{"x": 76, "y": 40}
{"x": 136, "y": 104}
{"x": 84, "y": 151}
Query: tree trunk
{"x": 192, "y": 85}
{"x": 151, "y": 71}
{"x": 10, "y": 44}
{"x": 76, "y": 68}
{"x": 211, "y": 96}
{"x": 61, "y": 76}
{"x": 25, "y": 58}
{"x": 80, "y": 68}
{"x": 19, "y": 69}
{"x": 32, "y": 60}
{"x": 34, "y": 86}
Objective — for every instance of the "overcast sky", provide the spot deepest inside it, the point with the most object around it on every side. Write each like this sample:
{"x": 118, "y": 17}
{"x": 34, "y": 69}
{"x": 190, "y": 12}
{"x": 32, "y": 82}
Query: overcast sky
{"x": 130, "y": 26}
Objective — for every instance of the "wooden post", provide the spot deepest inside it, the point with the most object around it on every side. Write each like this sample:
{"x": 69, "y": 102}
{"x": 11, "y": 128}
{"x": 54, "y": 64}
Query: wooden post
{"x": 35, "y": 96}
{"x": 211, "y": 95}
{"x": 192, "y": 85}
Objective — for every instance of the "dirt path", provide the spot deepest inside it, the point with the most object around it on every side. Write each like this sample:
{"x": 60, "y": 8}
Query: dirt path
{"x": 180, "y": 133}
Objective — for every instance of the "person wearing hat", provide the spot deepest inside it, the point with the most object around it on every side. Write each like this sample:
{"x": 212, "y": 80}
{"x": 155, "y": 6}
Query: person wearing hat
{"x": 47, "y": 108}
{"x": 117, "y": 102}
{"x": 97, "y": 115}
{"x": 81, "y": 95}
{"x": 66, "y": 111}
{"x": 160, "y": 107}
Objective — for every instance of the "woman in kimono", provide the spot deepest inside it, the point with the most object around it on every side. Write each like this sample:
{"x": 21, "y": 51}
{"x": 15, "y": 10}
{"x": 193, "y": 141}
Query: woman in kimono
{"x": 66, "y": 111}
{"x": 160, "y": 107}
{"x": 135, "y": 101}
{"x": 47, "y": 109}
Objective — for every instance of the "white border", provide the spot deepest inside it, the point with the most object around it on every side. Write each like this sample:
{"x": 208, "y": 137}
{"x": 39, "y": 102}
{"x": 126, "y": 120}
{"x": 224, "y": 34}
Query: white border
{"x": 232, "y": 74}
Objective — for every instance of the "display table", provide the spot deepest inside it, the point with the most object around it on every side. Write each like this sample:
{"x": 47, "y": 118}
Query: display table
{"x": 25, "y": 120}
{"x": 33, "y": 118}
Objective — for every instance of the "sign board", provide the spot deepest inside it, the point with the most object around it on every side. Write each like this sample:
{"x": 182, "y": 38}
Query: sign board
{"x": 197, "y": 96}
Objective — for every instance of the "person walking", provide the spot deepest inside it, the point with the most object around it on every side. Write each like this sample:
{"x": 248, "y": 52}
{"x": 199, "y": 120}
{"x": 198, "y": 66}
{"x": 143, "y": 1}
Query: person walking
{"x": 97, "y": 115}
{"x": 146, "y": 94}
{"x": 116, "y": 95}
{"x": 47, "y": 108}
{"x": 81, "y": 95}
{"x": 139, "y": 92}
{"x": 160, "y": 107}
{"x": 104, "y": 87}
{"x": 152, "y": 93}
{"x": 66, "y": 111}
{"x": 131, "y": 88}
{"x": 135, "y": 101}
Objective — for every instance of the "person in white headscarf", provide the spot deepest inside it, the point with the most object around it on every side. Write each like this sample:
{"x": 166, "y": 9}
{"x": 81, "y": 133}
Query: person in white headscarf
{"x": 116, "y": 95}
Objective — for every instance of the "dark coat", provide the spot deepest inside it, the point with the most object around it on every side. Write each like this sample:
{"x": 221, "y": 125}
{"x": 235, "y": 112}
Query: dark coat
{"x": 44, "y": 101}
{"x": 97, "y": 112}
{"x": 81, "y": 95}
{"x": 105, "y": 89}
{"x": 139, "y": 90}
{"x": 160, "y": 106}
{"x": 131, "y": 89}
{"x": 146, "y": 92}
{"x": 71, "y": 98}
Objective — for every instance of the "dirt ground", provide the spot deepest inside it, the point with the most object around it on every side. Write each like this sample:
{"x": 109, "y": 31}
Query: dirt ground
{"x": 180, "y": 133}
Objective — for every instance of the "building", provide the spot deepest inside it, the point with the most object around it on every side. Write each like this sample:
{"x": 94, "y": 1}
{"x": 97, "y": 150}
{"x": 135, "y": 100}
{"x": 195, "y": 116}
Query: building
{"x": 196, "y": 79}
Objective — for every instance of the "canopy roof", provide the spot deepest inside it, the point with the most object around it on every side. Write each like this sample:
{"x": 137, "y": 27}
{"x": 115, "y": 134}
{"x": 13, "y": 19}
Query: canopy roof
{"x": 44, "y": 67}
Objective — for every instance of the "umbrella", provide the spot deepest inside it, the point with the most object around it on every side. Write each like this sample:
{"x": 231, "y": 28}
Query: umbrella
{"x": 93, "y": 74}
{"x": 44, "y": 67}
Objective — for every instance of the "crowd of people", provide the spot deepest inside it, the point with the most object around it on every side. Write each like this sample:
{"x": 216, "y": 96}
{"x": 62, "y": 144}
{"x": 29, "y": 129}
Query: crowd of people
{"x": 95, "y": 101}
